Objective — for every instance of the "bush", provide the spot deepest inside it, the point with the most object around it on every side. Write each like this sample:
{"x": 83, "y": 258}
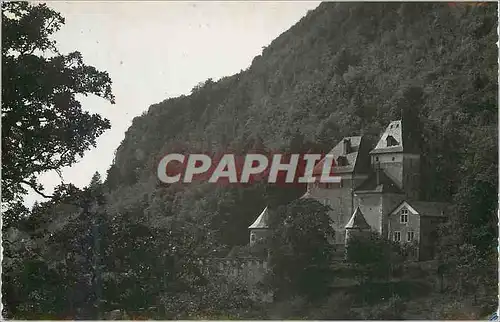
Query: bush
{"x": 392, "y": 309}
{"x": 336, "y": 307}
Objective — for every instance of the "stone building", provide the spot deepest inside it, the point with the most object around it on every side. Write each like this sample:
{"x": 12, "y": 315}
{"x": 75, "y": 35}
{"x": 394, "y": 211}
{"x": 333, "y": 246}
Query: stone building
{"x": 416, "y": 222}
{"x": 352, "y": 166}
{"x": 372, "y": 184}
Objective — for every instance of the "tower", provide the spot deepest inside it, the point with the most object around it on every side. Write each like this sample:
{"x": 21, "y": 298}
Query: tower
{"x": 397, "y": 153}
{"x": 260, "y": 227}
{"x": 357, "y": 227}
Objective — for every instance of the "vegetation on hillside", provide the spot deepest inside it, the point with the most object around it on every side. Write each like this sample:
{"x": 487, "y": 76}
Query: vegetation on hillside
{"x": 131, "y": 243}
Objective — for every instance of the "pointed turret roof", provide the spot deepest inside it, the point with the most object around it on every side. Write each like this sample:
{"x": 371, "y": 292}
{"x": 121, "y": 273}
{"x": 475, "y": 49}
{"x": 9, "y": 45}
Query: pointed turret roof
{"x": 357, "y": 221}
{"x": 262, "y": 221}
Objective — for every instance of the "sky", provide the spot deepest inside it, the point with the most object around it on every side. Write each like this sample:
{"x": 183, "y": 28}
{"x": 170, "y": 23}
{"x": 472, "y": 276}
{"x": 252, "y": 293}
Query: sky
{"x": 157, "y": 50}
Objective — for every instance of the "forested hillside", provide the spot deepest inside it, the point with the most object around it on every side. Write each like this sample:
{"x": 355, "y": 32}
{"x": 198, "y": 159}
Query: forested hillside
{"x": 345, "y": 68}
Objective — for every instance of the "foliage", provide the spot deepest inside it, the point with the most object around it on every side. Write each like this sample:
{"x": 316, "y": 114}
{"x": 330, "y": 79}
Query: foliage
{"x": 373, "y": 256}
{"x": 389, "y": 310}
{"x": 43, "y": 125}
{"x": 300, "y": 249}
{"x": 345, "y": 68}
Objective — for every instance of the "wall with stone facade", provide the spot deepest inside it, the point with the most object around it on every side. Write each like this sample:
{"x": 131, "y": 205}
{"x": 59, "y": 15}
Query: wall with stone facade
{"x": 392, "y": 164}
{"x": 341, "y": 199}
{"x": 403, "y": 169}
{"x": 257, "y": 234}
{"x": 246, "y": 271}
{"x": 413, "y": 225}
{"x": 390, "y": 201}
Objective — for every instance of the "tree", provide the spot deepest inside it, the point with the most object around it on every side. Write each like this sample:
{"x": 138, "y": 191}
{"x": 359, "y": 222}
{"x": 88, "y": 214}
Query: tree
{"x": 373, "y": 256}
{"x": 43, "y": 125}
{"x": 300, "y": 249}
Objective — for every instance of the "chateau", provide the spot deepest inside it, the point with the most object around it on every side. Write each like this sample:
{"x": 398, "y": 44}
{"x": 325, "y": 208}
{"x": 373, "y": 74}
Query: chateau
{"x": 379, "y": 191}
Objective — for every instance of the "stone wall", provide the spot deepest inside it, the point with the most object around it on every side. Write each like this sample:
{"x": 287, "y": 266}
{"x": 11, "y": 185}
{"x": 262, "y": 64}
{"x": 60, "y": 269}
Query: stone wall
{"x": 247, "y": 271}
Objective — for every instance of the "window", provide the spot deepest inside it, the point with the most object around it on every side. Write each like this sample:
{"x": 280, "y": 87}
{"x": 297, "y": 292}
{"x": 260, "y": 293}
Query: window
{"x": 393, "y": 158}
{"x": 397, "y": 236}
{"x": 252, "y": 237}
{"x": 341, "y": 161}
{"x": 409, "y": 236}
{"x": 391, "y": 141}
{"x": 376, "y": 159}
{"x": 404, "y": 216}
{"x": 404, "y": 219}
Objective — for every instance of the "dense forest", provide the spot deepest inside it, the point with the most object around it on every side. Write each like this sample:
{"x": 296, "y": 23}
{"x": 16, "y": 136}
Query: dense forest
{"x": 128, "y": 242}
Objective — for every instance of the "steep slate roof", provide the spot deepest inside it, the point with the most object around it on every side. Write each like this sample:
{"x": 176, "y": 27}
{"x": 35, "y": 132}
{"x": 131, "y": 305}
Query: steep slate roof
{"x": 424, "y": 208}
{"x": 338, "y": 151}
{"x": 394, "y": 129}
{"x": 357, "y": 221}
{"x": 386, "y": 185}
{"x": 262, "y": 221}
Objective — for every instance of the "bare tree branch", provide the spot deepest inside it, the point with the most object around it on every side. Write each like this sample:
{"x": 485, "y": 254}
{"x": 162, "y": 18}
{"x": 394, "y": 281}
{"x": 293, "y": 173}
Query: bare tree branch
{"x": 36, "y": 189}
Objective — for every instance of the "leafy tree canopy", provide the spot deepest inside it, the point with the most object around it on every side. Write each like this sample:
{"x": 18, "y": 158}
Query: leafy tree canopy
{"x": 300, "y": 248}
{"x": 43, "y": 125}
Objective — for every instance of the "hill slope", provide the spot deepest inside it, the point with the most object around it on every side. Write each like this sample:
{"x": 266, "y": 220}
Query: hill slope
{"x": 343, "y": 67}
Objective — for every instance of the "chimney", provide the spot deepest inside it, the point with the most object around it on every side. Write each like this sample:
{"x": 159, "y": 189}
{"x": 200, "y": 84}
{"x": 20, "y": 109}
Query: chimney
{"x": 346, "y": 146}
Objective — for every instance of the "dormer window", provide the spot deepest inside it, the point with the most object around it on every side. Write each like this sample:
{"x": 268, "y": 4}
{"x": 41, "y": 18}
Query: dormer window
{"x": 391, "y": 141}
{"x": 341, "y": 161}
